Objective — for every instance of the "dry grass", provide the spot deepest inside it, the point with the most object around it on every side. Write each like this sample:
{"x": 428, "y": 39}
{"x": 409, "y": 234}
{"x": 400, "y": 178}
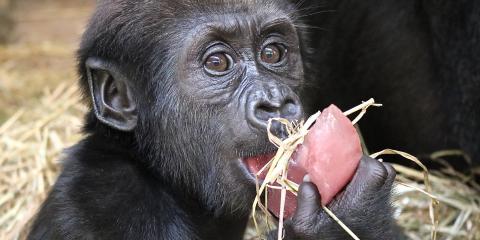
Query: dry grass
{"x": 277, "y": 168}
{"x": 42, "y": 116}
{"x": 39, "y": 117}
{"x": 30, "y": 144}
{"x": 458, "y": 213}
{"x": 26, "y": 70}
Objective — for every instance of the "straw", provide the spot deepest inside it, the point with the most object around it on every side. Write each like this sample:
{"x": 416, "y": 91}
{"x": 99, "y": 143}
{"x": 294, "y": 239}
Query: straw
{"x": 278, "y": 165}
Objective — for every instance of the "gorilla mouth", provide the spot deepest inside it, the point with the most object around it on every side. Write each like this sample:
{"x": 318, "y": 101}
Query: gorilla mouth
{"x": 256, "y": 163}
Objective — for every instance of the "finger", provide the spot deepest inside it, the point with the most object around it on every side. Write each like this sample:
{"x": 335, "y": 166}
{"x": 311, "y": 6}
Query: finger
{"x": 370, "y": 174}
{"x": 308, "y": 201}
{"x": 391, "y": 174}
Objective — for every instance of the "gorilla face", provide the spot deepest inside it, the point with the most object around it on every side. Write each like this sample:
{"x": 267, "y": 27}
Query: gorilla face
{"x": 229, "y": 73}
{"x": 195, "y": 82}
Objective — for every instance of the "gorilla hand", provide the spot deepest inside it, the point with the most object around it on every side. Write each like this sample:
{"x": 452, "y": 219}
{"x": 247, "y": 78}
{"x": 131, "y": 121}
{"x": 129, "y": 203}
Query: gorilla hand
{"x": 364, "y": 206}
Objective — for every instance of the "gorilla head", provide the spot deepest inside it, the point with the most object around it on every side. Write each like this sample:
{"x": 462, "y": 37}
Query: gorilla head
{"x": 189, "y": 86}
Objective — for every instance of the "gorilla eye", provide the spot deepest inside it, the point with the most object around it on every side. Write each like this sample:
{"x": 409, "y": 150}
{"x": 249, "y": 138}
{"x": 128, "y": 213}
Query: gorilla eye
{"x": 219, "y": 62}
{"x": 273, "y": 53}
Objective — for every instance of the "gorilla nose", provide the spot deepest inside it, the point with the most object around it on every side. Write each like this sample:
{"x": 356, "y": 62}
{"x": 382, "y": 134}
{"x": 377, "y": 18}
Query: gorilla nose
{"x": 261, "y": 110}
{"x": 264, "y": 110}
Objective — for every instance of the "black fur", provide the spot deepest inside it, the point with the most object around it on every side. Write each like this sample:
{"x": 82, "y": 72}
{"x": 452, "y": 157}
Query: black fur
{"x": 419, "y": 58}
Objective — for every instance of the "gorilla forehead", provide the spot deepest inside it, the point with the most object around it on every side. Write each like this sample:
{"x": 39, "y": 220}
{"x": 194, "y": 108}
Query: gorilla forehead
{"x": 187, "y": 8}
{"x": 151, "y": 31}
{"x": 187, "y": 5}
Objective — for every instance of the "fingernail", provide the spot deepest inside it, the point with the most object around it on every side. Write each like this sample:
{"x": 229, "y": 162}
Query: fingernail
{"x": 307, "y": 178}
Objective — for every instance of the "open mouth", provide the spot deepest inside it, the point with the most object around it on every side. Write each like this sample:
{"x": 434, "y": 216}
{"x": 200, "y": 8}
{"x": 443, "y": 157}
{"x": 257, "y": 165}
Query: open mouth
{"x": 256, "y": 163}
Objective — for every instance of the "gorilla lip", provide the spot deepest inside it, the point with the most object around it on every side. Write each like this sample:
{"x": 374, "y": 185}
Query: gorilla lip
{"x": 256, "y": 163}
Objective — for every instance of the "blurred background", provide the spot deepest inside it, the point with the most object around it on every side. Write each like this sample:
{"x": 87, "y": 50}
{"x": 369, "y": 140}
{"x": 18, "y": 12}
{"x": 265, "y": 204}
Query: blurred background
{"x": 38, "y": 40}
{"x": 41, "y": 116}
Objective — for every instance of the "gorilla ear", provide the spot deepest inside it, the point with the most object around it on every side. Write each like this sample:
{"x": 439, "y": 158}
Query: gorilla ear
{"x": 112, "y": 97}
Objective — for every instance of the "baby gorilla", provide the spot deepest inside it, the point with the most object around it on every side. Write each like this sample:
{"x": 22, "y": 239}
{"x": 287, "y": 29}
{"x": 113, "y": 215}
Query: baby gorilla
{"x": 180, "y": 93}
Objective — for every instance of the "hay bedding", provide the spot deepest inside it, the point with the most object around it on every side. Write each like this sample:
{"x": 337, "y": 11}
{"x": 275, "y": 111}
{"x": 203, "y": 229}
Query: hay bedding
{"x": 30, "y": 146}
{"x": 32, "y": 140}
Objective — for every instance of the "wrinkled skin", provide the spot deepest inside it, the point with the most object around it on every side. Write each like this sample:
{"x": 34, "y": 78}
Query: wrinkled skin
{"x": 179, "y": 93}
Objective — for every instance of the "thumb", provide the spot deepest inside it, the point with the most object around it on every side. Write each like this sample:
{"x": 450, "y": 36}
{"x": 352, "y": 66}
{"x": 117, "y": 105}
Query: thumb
{"x": 308, "y": 200}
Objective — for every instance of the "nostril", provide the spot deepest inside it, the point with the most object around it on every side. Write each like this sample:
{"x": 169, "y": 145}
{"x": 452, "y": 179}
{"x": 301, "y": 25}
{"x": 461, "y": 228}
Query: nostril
{"x": 265, "y": 111}
{"x": 289, "y": 108}
{"x": 267, "y": 108}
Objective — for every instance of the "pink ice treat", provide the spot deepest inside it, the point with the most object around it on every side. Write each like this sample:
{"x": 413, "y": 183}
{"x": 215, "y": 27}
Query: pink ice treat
{"x": 295, "y": 174}
{"x": 331, "y": 153}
